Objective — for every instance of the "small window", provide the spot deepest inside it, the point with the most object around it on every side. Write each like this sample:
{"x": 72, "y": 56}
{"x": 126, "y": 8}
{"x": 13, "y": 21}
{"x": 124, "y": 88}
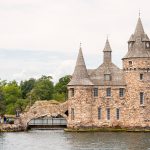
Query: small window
{"x": 121, "y": 92}
{"x": 107, "y": 77}
{"x": 99, "y": 113}
{"x": 108, "y": 113}
{"x": 117, "y": 113}
{"x": 108, "y": 92}
{"x": 72, "y": 113}
{"x": 95, "y": 92}
{"x": 72, "y": 92}
{"x": 141, "y": 76}
{"x": 141, "y": 98}
{"x": 130, "y": 63}
{"x": 147, "y": 45}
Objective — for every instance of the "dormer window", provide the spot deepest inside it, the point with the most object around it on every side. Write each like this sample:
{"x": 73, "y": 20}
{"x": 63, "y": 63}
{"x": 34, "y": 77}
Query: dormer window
{"x": 130, "y": 63}
{"x": 107, "y": 77}
{"x": 130, "y": 44}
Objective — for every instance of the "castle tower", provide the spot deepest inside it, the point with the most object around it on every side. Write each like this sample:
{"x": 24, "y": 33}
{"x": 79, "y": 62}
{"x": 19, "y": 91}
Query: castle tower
{"x": 80, "y": 95}
{"x": 136, "y": 66}
{"x": 107, "y": 53}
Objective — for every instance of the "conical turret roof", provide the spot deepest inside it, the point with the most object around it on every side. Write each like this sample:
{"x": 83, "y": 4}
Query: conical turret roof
{"x": 107, "y": 47}
{"x": 139, "y": 28}
{"x": 80, "y": 75}
{"x": 137, "y": 43}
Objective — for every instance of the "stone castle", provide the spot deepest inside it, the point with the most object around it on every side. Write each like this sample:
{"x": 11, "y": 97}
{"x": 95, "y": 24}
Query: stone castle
{"x": 109, "y": 96}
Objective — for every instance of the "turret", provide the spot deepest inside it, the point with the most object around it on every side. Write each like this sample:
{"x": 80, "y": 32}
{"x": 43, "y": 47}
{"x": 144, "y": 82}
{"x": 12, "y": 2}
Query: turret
{"x": 80, "y": 76}
{"x": 80, "y": 95}
{"x": 138, "y": 47}
{"x": 107, "y": 53}
{"x": 136, "y": 66}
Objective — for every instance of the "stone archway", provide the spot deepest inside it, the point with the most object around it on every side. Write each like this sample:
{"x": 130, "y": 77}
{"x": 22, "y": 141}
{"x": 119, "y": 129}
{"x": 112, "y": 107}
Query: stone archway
{"x": 44, "y": 108}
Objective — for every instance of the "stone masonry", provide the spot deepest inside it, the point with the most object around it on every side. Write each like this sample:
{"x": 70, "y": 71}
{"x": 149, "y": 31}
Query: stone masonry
{"x": 109, "y": 96}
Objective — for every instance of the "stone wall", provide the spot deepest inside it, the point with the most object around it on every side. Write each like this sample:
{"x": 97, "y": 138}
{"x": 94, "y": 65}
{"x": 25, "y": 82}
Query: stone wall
{"x": 82, "y": 105}
{"x": 137, "y": 114}
{"x": 42, "y": 109}
{"x": 132, "y": 113}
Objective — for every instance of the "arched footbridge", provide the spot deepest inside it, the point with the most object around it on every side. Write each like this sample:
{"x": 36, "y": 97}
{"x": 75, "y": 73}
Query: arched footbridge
{"x": 45, "y": 113}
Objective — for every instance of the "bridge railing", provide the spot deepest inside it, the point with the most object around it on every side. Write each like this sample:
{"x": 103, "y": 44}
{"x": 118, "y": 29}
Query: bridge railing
{"x": 48, "y": 121}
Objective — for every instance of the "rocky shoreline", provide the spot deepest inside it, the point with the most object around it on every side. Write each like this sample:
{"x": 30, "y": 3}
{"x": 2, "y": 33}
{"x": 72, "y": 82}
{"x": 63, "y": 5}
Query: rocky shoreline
{"x": 10, "y": 128}
{"x": 19, "y": 128}
{"x": 107, "y": 129}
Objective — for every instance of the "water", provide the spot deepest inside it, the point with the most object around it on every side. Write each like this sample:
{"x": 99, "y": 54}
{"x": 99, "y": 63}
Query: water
{"x": 60, "y": 140}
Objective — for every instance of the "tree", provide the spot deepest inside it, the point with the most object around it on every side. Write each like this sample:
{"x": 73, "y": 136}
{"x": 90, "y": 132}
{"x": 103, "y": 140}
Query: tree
{"x": 2, "y": 103}
{"x": 43, "y": 89}
{"x": 26, "y": 86}
{"x": 11, "y": 93}
{"x": 61, "y": 86}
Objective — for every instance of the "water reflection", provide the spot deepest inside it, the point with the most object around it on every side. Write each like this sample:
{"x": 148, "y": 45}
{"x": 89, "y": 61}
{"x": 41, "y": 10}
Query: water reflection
{"x": 60, "y": 140}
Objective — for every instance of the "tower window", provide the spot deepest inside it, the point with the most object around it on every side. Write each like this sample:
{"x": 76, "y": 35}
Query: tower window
{"x": 130, "y": 63}
{"x": 72, "y": 113}
{"x": 108, "y": 113}
{"x": 117, "y": 113}
{"x": 107, "y": 77}
{"x": 72, "y": 92}
{"x": 121, "y": 92}
{"x": 147, "y": 45}
{"x": 141, "y": 76}
{"x": 95, "y": 92}
{"x": 108, "y": 92}
{"x": 141, "y": 98}
{"x": 99, "y": 113}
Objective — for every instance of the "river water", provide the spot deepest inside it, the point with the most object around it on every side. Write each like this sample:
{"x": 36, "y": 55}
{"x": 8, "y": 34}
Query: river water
{"x": 60, "y": 140}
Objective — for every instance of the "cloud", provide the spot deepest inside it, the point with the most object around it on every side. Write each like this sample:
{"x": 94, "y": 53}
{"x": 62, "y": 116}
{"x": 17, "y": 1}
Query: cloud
{"x": 42, "y": 36}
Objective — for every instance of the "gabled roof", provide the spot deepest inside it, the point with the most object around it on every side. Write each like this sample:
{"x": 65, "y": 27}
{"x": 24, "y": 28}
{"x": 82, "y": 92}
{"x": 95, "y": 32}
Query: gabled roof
{"x": 80, "y": 75}
{"x": 98, "y": 75}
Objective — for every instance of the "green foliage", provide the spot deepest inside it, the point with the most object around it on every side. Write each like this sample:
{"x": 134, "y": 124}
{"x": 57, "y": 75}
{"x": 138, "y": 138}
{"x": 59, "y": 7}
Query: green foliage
{"x": 59, "y": 97}
{"x": 21, "y": 104}
{"x": 61, "y": 87}
{"x": 43, "y": 89}
{"x": 2, "y": 107}
{"x": 11, "y": 92}
{"x": 26, "y": 86}
{"x": 14, "y": 96}
{"x": 10, "y": 109}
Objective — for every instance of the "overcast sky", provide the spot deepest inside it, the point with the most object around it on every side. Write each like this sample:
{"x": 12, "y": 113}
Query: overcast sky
{"x": 41, "y": 37}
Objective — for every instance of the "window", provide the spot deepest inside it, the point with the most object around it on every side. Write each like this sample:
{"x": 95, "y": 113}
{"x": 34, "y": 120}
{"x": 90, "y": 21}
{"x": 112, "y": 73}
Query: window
{"x": 141, "y": 98}
{"x": 108, "y": 113}
{"x": 118, "y": 113}
{"x": 99, "y": 113}
{"x": 108, "y": 92}
{"x": 72, "y": 113}
{"x": 107, "y": 77}
{"x": 130, "y": 63}
{"x": 141, "y": 76}
{"x": 121, "y": 92}
{"x": 147, "y": 45}
{"x": 95, "y": 92}
{"x": 72, "y": 92}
